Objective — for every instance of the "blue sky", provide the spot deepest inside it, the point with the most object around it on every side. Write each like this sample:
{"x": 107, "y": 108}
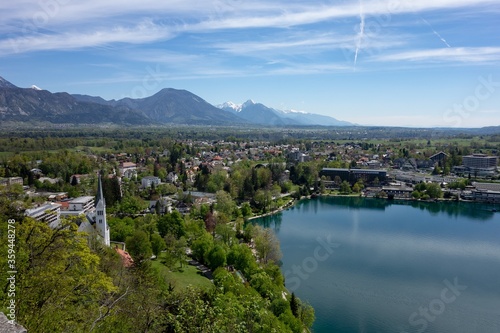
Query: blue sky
{"x": 387, "y": 62}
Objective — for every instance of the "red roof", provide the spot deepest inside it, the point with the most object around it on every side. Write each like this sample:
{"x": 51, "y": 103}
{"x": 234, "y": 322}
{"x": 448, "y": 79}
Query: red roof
{"x": 126, "y": 258}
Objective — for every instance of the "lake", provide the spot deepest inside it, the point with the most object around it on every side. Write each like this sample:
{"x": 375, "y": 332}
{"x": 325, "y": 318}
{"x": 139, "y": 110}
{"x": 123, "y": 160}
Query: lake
{"x": 372, "y": 265}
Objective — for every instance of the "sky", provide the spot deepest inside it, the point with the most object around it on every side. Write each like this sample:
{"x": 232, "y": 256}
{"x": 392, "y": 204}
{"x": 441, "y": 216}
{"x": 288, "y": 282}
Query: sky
{"x": 425, "y": 63}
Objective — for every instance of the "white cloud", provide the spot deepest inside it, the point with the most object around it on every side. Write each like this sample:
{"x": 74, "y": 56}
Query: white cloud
{"x": 453, "y": 54}
{"x": 144, "y": 32}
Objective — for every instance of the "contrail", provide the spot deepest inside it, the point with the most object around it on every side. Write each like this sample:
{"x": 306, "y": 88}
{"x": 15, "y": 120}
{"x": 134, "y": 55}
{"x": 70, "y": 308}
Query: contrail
{"x": 436, "y": 33}
{"x": 361, "y": 31}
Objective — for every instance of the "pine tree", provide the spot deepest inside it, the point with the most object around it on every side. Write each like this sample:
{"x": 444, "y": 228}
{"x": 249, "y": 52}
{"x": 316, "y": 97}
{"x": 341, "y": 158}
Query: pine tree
{"x": 294, "y": 305}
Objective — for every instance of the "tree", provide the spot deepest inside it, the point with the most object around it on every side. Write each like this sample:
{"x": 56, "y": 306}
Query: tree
{"x": 210, "y": 222}
{"x": 216, "y": 257}
{"x": 202, "y": 246}
{"x": 172, "y": 223}
{"x": 434, "y": 190}
{"x": 132, "y": 205}
{"x": 120, "y": 229}
{"x": 225, "y": 203}
{"x": 294, "y": 305}
{"x": 345, "y": 187}
{"x": 157, "y": 244}
{"x": 226, "y": 232}
{"x": 267, "y": 244}
{"x": 179, "y": 251}
{"x": 139, "y": 246}
{"x": 58, "y": 277}
{"x": 246, "y": 210}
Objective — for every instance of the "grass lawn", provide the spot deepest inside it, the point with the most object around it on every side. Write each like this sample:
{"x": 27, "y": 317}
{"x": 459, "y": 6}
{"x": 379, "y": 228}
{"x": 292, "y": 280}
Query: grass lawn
{"x": 181, "y": 278}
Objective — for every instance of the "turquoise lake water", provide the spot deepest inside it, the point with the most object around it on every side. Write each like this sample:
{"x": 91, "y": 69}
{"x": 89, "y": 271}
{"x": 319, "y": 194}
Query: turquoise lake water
{"x": 372, "y": 265}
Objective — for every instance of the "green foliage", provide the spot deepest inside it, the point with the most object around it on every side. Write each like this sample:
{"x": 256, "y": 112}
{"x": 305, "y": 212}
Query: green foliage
{"x": 132, "y": 205}
{"x": 246, "y": 210}
{"x": 120, "y": 229}
{"x": 202, "y": 246}
{"x": 216, "y": 257}
{"x": 427, "y": 191}
{"x": 345, "y": 187}
{"x": 157, "y": 244}
{"x": 225, "y": 203}
{"x": 58, "y": 278}
{"x": 266, "y": 244}
{"x": 139, "y": 246}
{"x": 172, "y": 223}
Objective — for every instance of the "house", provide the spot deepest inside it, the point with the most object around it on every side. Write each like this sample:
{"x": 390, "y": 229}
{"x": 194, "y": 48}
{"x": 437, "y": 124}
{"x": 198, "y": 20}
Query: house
{"x": 183, "y": 208}
{"x": 149, "y": 181}
{"x": 436, "y": 158}
{"x": 172, "y": 177}
{"x": 128, "y": 169}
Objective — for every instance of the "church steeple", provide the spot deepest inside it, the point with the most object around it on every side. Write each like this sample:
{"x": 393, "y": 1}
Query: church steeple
{"x": 99, "y": 195}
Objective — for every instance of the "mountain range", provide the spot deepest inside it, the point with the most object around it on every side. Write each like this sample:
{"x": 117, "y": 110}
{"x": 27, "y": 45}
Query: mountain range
{"x": 257, "y": 113}
{"x": 168, "y": 106}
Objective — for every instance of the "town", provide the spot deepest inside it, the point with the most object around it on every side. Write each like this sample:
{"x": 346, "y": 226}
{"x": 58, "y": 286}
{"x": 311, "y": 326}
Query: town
{"x": 179, "y": 211}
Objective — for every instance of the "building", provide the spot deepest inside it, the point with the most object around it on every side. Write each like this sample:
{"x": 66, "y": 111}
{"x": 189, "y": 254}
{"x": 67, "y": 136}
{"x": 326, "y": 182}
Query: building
{"x": 128, "y": 169}
{"x": 480, "y": 163}
{"x": 297, "y": 156}
{"x": 172, "y": 177}
{"x": 95, "y": 222}
{"x": 11, "y": 181}
{"x": 79, "y": 206}
{"x": 486, "y": 196}
{"x": 436, "y": 158}
{"x": 49, "y": 213}
{"x": 353, "y": 175}
{"x": 148, "y": 181}
{"x": 398, "y": 191}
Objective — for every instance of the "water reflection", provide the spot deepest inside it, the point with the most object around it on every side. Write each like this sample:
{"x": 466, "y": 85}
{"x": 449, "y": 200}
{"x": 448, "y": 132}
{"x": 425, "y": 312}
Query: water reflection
{"x": 392, "y": 259}
{"x": 452, "y": 208}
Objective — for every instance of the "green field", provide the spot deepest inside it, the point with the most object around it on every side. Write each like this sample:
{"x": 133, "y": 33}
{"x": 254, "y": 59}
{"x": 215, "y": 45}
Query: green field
{"x": 181, "y": 278}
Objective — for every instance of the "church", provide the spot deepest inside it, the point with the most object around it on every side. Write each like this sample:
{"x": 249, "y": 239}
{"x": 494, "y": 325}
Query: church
{"x": 95, "y": 222}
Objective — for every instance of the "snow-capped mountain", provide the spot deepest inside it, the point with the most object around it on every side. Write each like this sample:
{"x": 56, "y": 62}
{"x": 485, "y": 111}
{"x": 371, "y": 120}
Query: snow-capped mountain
{"x": 258, "y": 113}
{"x": 36, "y": 88}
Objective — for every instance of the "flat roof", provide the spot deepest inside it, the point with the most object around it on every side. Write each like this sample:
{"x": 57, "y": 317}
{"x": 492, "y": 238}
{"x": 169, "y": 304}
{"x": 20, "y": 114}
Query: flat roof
{"x": 81, "y": 200}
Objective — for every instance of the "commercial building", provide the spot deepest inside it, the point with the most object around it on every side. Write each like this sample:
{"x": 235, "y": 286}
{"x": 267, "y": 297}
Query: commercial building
{"x": 480, "y": 163}
{"x": 353, "y": 175}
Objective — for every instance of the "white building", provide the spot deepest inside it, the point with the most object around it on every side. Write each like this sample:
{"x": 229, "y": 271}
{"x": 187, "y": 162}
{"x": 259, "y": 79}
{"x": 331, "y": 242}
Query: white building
{"x": 49, "y": 213}
{"x": 96, "y": 222}
{"x": 79, "y": 206}
{"x": 148, "y": 181}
